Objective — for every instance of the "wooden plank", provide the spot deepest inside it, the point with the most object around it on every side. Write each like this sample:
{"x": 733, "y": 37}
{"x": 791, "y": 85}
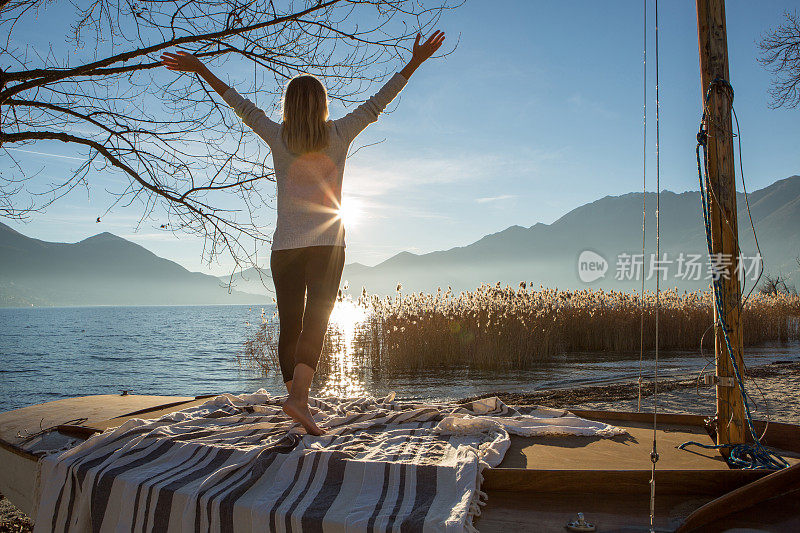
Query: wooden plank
{"x": 166, "y": 407}
{"x": 32, "y": 419}
{"x": 663, "y": 418}
{"x": 158, "y": 412}
{"x": 508, "y": 512}
{"x": 780, "y": 514}
{"x": 77, "y": 431}
{"x": 703, "y": 482}
{"x": 624, "y": 452}
{"x": 16, "y": 450}
{"x": 767, "y": 487}
{"x": 713, "y": 47}
{"x": 779, "y": 434}
{"x": 18, "y": 478}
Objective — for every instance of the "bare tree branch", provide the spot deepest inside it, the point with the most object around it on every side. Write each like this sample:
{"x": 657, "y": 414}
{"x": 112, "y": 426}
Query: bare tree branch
{"x": 780, "y": 54}
{"x": 776, "y": 284}
{"x": 185, "y": 158}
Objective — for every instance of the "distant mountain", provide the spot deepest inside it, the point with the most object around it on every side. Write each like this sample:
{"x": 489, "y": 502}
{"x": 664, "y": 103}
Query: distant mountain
{"x": 109, "y": 270}
{"x": 547, "y": 254}
{"x": 101, "y": 270}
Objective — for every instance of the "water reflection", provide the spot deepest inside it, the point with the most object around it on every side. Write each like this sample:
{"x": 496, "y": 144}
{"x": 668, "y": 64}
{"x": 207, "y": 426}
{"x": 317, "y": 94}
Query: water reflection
{"x": 52, "y": 353}
{"x": 344, "y": 377}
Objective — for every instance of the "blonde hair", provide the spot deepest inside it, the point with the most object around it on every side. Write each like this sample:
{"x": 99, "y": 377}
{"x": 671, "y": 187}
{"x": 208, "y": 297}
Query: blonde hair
{"x": 305, "y": 115}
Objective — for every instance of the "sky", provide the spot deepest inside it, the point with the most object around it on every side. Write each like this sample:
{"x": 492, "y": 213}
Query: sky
{"x": 537, "y": 110}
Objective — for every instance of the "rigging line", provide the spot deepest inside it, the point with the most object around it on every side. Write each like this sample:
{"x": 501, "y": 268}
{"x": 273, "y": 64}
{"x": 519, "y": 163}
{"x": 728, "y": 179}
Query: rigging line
{"x": 654, "y": 452}
{"x": 742, "y": 301}
{"x": 644, "y": 199}
{"x": 710, "y": 190}
{"x": 707, "y": 115}
{"x": 720, "y": 125}
{"x": 746, "y": 398}
{"x": 743, "y": 455}
{"x": 749, "y": 215}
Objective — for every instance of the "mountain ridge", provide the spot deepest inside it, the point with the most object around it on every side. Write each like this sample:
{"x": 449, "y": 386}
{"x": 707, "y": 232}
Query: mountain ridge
{"x": 106, "y": 269}
{"x": 547, "y": 253}
{"x": 103, "y": 269}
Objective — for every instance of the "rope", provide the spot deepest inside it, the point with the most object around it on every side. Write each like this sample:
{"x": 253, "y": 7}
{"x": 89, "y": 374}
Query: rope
{"x": 744, "y": 455}
{"x": 654, "y": 452}
{"x": 738, "y": 136}
{"x": 644, "y": 199}
{"x": 743, "y": 302}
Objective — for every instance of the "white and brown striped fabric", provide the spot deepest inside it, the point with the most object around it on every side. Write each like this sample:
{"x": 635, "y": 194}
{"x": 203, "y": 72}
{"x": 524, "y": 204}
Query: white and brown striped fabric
{"x": 238, "y": 464}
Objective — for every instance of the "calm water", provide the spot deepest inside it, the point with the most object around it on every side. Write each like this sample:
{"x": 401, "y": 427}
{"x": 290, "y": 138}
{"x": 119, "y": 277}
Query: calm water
{"x": 52, "y": 353}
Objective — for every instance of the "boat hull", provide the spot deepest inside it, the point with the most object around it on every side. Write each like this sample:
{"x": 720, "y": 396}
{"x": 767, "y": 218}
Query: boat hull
{"x": 542, "y": 483}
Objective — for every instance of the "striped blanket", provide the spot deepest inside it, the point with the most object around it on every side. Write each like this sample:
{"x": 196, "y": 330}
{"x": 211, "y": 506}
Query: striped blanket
{"x": 237, "y": 463}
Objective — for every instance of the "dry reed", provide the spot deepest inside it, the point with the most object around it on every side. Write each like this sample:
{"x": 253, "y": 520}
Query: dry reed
{"x": 498, "y": 327}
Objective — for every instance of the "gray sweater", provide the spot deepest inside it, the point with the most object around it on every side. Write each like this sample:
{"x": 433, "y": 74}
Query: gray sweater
{"x": 310, "y": 186}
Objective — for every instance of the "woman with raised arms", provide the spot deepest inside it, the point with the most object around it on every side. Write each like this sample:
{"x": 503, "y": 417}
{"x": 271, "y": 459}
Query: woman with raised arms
{"x": 308, "y": 152}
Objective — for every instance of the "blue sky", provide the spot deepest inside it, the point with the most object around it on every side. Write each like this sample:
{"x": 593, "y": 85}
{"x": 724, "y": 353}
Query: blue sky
{"x": 537, "y": 111}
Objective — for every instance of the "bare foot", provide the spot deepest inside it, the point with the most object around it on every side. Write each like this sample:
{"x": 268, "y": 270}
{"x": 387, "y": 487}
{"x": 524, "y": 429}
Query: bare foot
{"x": 299, "y": 412}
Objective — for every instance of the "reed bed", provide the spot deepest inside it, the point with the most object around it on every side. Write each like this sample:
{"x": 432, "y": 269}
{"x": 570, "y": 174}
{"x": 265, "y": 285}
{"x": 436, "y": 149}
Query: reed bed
{"x": 261, "y": 348}
{"x": 496, "y": 327}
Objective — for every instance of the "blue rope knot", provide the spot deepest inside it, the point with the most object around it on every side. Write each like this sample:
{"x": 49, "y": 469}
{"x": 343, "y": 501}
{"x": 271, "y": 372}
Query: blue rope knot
{"x": 745, "y": 456}
{"x": 721, "y": 83}
{"x": 702, "y": 135}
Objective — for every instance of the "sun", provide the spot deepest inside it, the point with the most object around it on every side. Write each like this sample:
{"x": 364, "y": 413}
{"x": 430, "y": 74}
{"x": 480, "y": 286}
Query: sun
{"x": 350, "y": 211}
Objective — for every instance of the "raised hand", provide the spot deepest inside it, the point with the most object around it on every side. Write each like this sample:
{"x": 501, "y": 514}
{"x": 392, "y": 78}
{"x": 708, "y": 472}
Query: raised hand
{"x": 181, "y": 61}
{"x": 186, "y": 62}
{"x": 422, "y": 52}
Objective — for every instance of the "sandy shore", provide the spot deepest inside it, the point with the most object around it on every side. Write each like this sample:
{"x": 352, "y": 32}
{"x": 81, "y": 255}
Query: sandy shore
{"x": 775, "y": 388}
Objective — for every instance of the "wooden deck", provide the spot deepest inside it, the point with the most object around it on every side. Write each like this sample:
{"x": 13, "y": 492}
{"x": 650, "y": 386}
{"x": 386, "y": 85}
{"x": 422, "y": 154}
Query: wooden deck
{"x": 541, "y": 484}
{"x": 544, "y": 482}
{"x": 96, "y": 409}
{"x": 521, "y": 511}
{"x": 19, "y": 468}
{"x": 625, "y": 452}
{"x": 515, "y": 512}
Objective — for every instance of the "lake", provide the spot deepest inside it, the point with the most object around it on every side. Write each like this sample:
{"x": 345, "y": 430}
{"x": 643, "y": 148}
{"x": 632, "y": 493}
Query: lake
{"x": 52, "y": 353}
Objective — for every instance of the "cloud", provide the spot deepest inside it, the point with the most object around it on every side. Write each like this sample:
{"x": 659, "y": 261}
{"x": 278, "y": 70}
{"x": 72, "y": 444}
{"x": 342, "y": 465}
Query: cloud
{"x": 385, "y": 172}
{"x": 166, "y": 237}
{"x": 391, "y": 173}
{"x": 374, "y": 209}
{"x": 389, "y": 183}
{"x": 388, "y": 187}
{"x": 47, "y": 154}
{"x": 488, "y": 199}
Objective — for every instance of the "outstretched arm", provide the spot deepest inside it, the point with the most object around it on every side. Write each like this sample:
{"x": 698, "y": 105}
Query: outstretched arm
{"x": 247, "y": 110}
{"x": 422, "y": 52}
{"x": 354, "y": 122}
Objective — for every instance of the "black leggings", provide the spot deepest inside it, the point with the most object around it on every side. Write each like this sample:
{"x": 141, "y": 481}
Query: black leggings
{"x": 311, "y": 274}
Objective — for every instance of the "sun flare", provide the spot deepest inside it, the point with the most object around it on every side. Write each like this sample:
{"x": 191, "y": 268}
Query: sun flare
{"x": 350, "y": 212}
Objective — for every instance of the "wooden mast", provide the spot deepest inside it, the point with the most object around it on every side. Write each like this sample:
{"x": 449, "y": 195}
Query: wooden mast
{"x": 713, "y": 42}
